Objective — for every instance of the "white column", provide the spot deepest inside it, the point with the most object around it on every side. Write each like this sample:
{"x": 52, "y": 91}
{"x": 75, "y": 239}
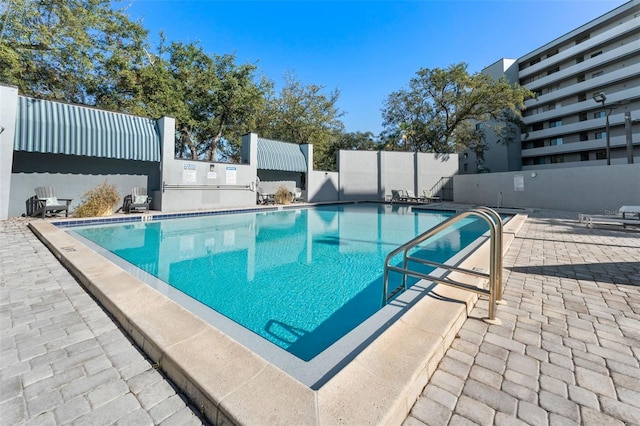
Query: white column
{"x": 167, "y": 128}
{"x": 8, "y": 111}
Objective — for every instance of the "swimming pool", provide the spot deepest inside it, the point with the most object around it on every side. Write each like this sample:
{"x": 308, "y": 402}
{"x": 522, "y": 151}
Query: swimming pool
{"x": 302, "y": 279}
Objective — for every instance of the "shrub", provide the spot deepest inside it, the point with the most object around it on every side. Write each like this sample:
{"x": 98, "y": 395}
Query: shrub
{"x": 282, "y": 196}
{"x": 99, "y": 201}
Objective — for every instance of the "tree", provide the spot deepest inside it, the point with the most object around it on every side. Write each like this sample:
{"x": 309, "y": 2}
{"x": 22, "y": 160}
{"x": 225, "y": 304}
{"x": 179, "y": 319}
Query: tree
{"x": 450, "y": 110}
{"x": 219, "y": 101}
{"x": 214, "y": 100}
{"x": 54, "y": 49}
{"x": 303, "y": 115}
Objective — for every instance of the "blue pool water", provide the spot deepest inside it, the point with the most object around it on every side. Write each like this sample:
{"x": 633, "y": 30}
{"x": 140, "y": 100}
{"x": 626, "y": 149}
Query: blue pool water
{"x": 301, "y": 279}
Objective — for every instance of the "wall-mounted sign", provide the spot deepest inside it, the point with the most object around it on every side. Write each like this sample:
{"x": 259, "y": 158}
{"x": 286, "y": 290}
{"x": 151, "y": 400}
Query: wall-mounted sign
{"x": 189, "y": 173}
{"x": 232, "y": 176}
{"x": 518, "y": 182}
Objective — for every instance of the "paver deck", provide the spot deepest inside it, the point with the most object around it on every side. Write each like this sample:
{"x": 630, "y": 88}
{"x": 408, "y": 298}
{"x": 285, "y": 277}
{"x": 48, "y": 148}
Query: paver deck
{"x": 567, "y": 352}
{"x": 63, "y": 360}
{"x": 568, "y": 349}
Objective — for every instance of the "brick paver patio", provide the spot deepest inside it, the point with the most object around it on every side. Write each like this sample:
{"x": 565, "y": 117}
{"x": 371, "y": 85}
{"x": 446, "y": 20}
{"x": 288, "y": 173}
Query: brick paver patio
{"x": 63, "y": 360}
{"x": 568, "y": 351}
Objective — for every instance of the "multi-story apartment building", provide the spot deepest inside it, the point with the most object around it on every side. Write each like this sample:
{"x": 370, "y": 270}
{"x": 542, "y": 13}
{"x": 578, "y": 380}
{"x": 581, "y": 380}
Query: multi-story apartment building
{"x": 583, "y": 80}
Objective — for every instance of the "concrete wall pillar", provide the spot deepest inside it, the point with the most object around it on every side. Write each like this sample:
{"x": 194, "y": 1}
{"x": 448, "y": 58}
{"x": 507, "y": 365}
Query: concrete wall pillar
{"x": 167, "y": 130}
{"x": 8, "y": 112}
{"x": 250, "y": 149}
{"x": 313, "y": 183}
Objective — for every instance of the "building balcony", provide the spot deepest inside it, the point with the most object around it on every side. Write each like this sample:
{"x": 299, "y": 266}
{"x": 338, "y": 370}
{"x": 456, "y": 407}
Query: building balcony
{"x": 593, "y": 84}
{"x": 588, "y": 105}
{"x": 611, "y": 56}
{"x": 615, "y": 119}
{"x": 590, "y": 145}
{"x": 586, "y": 46}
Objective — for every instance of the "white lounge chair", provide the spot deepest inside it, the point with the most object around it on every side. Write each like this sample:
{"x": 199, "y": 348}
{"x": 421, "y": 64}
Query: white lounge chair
{"x": 397, "y": 195}
{"x": 412, "y": 197}
{"x": 430, "y": 198}
{"x": 622, "y": 217}
{"x": 138, "y": 200}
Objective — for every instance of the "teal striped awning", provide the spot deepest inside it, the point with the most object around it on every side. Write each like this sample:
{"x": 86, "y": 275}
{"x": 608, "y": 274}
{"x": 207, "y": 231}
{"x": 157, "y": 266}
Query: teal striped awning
{"x": 59, "y": 128}
{"x": 275, "y": 155}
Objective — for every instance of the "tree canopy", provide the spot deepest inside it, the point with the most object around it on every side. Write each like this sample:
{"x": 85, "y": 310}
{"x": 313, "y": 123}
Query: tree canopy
{"x": 56, "y": 49}
{"x": 219, "y": 101}
{"x": 303, "y": 114}
{"x": 88, "y": 52}
{"x": 449, "y": 110}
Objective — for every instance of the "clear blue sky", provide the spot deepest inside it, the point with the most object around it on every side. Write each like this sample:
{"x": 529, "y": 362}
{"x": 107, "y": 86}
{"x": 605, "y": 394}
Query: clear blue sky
{"x": 365, "y": 49}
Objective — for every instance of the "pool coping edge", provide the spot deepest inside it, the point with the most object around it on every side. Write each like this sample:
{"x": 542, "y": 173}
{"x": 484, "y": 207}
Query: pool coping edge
{"x": 254, "y": 391}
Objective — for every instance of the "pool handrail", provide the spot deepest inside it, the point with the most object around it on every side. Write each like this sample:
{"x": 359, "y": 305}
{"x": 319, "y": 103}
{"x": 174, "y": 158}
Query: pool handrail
{"x": 495, "y": 262}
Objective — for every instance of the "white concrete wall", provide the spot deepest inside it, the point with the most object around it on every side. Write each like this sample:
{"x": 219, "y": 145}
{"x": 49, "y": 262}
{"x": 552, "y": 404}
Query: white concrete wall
{"x": 8, "y": 111}
{"x": 203, "y": 185}
{"x": 359, "y": 177}
{"x": 581, "y": 189}
{"x": 371, "y": 175}
{"x": 322, "y": 186}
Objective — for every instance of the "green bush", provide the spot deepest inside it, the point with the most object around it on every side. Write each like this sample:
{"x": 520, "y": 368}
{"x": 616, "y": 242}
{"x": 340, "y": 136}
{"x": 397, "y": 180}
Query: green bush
{"x": 99, "y": 201}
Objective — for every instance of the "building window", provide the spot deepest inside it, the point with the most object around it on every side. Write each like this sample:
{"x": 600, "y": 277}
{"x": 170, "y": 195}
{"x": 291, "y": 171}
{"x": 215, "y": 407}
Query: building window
{"x": 583, "y": 116}
{"x": 555, "y": 141}
{"x": 465, "y": 167}
{"x": 593, "y": 55}
{"x": 538, "y": 160}
{"x": 538, "y": 144}
{"x": 601, "y": 155}
{"x": 581, "y": 78}
{"x": 555, "y": 123}
{"x": 552, "y": 53}
{"x": 534, "y": 61}
{"x": 601, "y": 135}
{"x": 584, "y": 156}
{"x": 538, "y": 93}
{"x": 553, "y": 70}
{"x": 597, "y": 74}
{"x": 557, "y": 159}
{"x": 536, "y": 126}
{"x": 584, "y": 136}
{"x": 599, "y": 114}
{"x": 582, "y": 97}
{"x": 579, "y": 59}
{"x": 583, "y": 39}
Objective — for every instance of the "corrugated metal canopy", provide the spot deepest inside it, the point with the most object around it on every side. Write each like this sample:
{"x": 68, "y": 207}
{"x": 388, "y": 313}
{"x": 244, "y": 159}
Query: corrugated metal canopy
{"x": 58, "y": 128}
{"x": 275, "y": 155}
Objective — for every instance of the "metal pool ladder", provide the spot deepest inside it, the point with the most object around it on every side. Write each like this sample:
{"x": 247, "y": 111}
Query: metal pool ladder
{"x": 495, "y": 262}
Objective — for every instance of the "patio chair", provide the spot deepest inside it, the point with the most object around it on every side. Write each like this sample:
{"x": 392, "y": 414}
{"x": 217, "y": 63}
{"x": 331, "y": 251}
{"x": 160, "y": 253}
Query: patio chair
{"x": 264, "y": 198}
{"x": 137, "y": 201}
{"x": 430, "y": 198}
{"x": 297, "y": 195}
{"x": 45, "y": 202}
{"x": 412, "y": 197}
{"x": 397, "y": 195}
